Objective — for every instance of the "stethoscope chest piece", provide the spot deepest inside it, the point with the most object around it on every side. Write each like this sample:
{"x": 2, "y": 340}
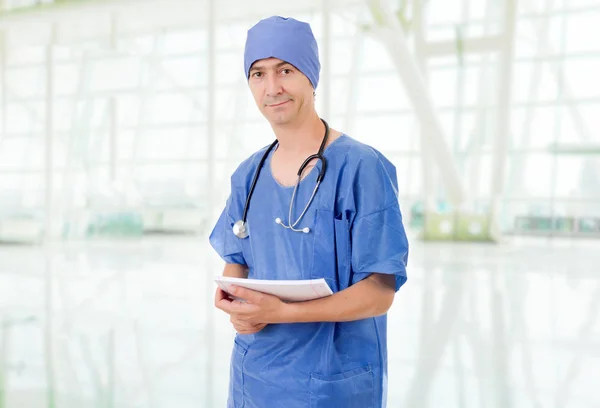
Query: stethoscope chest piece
{"x": 240, "y": 229}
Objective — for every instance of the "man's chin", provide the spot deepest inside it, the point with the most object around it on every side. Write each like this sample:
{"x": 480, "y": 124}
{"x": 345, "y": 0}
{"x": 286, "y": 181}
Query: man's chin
{"x": 279, "y": 120}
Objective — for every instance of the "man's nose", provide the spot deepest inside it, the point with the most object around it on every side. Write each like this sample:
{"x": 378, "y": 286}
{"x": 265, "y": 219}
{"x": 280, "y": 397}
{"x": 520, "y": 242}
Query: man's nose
{"x": 273, "y": 85}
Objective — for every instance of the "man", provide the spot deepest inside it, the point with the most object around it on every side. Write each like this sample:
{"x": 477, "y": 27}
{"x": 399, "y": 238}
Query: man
{"x": 329, "y": 352}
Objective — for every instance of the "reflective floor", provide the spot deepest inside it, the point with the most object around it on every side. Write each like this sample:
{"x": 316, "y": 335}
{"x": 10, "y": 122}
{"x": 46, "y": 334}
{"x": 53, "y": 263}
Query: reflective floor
{"x": 130, "y": 323}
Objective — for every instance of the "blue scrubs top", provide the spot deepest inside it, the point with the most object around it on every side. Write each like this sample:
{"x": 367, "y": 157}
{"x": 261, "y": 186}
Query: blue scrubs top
{"x": 356, "y": 229}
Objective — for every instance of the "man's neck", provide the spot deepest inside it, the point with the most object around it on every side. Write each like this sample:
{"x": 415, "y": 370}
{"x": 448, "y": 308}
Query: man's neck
{"x": 304, "y": 136}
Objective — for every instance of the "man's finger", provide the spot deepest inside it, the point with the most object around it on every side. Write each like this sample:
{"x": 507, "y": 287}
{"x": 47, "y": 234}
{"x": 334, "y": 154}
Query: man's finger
{"x": 242, "y": 325}
{"x": 225, "y": 305}
{"x": 241, "y": 329}
{"x": 240, "y": 309}
{"x": 220, "y": 295}
{"x": 236, "y": 321}
{"x": 247, "y": 294}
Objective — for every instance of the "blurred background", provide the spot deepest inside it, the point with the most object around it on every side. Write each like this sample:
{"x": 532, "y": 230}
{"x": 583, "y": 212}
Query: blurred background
{"x": 122, "y": 121}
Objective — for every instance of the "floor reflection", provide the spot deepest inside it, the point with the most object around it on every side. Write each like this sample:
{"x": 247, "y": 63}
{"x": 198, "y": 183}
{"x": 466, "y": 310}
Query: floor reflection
{"x": 131, "y": 324}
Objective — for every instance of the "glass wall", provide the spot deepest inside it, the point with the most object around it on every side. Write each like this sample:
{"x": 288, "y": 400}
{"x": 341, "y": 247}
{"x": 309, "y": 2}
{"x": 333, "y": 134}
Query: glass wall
{"x": 121, "y": 98}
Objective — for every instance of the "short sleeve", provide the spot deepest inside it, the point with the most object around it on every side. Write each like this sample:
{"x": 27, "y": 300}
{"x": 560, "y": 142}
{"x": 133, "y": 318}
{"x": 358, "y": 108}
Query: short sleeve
{"x": 380, "y": 245}
{"x": 379, "y": 241}
{"x": 223, "y": 240}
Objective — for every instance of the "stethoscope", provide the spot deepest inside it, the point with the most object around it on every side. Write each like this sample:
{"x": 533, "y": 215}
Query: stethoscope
{"x": 240, "y": 228}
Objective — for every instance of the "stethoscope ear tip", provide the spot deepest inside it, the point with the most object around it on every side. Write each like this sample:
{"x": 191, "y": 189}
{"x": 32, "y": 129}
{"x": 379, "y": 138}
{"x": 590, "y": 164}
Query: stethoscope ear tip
{"x": 278, "y": 220}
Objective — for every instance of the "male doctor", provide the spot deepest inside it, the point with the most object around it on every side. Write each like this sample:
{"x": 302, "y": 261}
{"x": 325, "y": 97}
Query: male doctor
{"x": 330, "y": 352}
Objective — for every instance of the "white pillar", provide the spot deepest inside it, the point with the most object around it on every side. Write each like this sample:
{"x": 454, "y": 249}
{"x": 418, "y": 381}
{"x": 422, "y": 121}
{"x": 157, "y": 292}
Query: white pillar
{"x": 426, "y": 152}
{"x": 392, "y": 35}
{"x": 211, "y": 134}
{"x": 49, "y": 331}
{"x": 48, "y": 221}
{"x": 48, "y": 134}
{"x": 113, "y": 151}
{"x": 112, "y": 108}
{"x": 111, "y": 386}
{"x": 352, "y": 87}
{"x": 3, "y": 83}
{"x": 477, "y": 136}
{"x": 326, "y": 60}
{"x": 504, "y": 106}
{"x": 3, "y": 360}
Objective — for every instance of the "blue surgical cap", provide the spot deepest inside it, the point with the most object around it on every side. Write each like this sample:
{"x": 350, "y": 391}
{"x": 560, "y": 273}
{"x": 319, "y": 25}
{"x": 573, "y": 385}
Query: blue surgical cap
{"x": 287, "y": 39}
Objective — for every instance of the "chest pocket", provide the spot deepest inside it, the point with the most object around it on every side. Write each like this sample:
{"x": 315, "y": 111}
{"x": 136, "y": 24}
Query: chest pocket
{"x": 332, "y": 250}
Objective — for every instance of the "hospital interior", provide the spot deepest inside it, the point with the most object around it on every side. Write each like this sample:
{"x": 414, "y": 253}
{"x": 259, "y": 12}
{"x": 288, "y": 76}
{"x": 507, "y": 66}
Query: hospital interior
{"x": 122, "y": 122}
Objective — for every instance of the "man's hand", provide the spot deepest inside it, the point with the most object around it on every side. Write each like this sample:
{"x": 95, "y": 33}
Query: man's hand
{"x": 240, "y": 326}
{"x": 258, "y": 308}
{"x": 246, "y": 328}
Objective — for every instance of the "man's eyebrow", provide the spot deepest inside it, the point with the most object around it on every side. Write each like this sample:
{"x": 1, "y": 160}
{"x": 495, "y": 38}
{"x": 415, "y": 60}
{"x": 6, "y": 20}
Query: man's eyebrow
{"x": 282, "y": 63}
{"x": 262, "y": 67}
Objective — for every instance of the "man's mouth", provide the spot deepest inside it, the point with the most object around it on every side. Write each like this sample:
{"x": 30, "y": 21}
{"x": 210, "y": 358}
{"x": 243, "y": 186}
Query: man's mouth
{"x": 278, "y": 104}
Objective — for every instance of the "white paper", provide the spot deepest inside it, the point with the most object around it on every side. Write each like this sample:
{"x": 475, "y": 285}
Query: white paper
{"x": 286, "y": 290}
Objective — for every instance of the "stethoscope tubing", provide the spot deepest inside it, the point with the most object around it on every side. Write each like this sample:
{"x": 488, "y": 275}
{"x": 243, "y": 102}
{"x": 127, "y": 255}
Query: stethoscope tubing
{"x": 242, "y": 223}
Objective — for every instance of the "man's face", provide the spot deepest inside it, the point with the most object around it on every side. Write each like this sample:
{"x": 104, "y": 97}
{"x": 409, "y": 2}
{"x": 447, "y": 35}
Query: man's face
{"x": 281, "y": 92}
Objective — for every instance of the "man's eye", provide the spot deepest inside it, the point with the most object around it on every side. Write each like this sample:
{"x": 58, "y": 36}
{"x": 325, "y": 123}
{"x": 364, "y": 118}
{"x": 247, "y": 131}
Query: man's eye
{"x": 286, "y": 71}
{"x": 256, "y": 74}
